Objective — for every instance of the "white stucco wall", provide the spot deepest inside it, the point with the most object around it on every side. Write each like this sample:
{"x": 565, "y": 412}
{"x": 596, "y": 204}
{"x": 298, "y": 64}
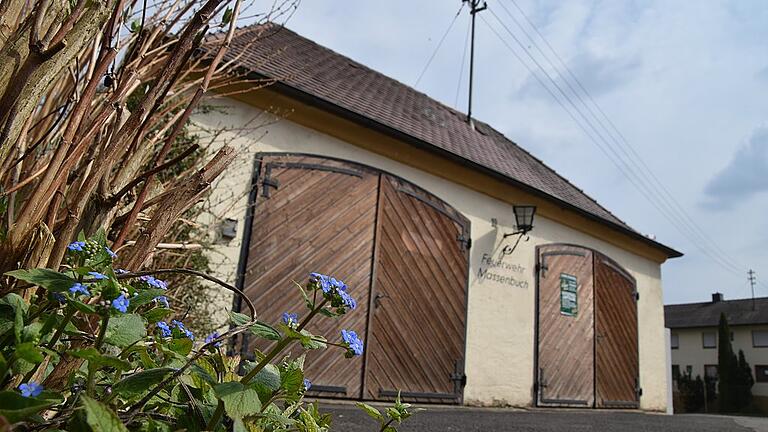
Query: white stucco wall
{"x": 500, "y": 333}
{"x": 690, "y": 351}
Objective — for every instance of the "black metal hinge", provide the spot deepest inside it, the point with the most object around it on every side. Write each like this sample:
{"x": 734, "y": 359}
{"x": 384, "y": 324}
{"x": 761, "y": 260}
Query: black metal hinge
{"x": 268, "y": 182}
{"x": 466, "y": 241}
{"x": 636, "y": 295}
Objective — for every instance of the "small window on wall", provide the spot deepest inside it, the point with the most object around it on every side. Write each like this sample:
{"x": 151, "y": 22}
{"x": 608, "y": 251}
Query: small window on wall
{"x": 761, "y": 373}
{"x": 674, "y": 341}
{"x": 760, "y": 338}
{"x": 709, "y": 339}
{"x": 710, "y": 371}
{"x": 675, "y": 372}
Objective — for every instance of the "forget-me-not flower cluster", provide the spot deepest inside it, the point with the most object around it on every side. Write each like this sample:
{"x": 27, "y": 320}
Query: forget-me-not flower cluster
{"x": 291, "y": 319}
{"x": 121, "y": 303}
{"x": 165, "y": 330}
{"x": 185, "y": 331}
{"x": 153, "y": 282}
{"x": 31, "y": 389}
{"x": 79, "y": 288}
{"x": 354, "y": 343}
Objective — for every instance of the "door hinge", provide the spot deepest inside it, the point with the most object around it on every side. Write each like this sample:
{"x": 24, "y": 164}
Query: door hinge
{"x": 268, "y": 182}
{"x": 636, "y": 295}
{"x": 466, "y": 241}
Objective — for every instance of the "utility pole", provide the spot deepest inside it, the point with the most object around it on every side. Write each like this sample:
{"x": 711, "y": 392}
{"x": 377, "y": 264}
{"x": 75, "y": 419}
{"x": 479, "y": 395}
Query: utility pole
{"x": 474, "y": 8}
{"x": 752, "y": 279}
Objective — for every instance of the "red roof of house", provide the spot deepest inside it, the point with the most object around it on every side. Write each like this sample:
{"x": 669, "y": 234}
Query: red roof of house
{"x": 312, "y": 72}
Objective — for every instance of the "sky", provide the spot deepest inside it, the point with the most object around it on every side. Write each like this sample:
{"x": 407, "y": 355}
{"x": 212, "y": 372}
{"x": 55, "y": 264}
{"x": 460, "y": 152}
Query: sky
{"x": 685, "y": 83}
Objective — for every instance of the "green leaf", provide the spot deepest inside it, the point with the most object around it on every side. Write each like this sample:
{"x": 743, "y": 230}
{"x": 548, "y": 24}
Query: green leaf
{"x": 371, "y": 411}
{"x": 265, "y": 331}
{"x": 238, "y": 318}
{"x": 304, "y": 295}
{"x": 269, "y": 377}
{"x": 239, "y": 401}
{"x": 181, "y": 346}
{"x": 227, "y": 16}
{"x": 141, "y": 381}
{"x": 15, "y": 407}
{"x": 82, "y": 307}
{"x": 100, "y": 417}
{"x": 395, "y": 414}
{"x": 99, "y": 360}
{"x": 30, "y": 352}
{"x": 144, "y": 297}
{"x": 292, "y": 380}
{"x": 46, "y": 278}
{"x": 156, "y": 314}
{"x": 125, "y": 330}
{"x": 312, "y": 342}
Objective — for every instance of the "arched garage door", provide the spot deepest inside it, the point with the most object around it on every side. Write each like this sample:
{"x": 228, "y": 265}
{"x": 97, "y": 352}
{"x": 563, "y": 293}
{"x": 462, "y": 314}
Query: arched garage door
{"x": 587, "y": 352}
{"x": 401, "y": 250}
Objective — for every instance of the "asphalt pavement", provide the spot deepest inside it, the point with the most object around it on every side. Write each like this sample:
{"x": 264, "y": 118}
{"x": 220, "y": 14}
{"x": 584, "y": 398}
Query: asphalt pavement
{"x": 348, "y": 418}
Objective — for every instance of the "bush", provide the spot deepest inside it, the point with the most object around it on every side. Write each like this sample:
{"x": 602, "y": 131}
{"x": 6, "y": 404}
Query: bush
{"x": 94, "y": 348}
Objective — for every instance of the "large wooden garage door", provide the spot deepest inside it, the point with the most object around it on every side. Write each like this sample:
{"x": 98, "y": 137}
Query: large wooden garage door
{"x": 616, "y": 356}
{"x": 417, "y": 328}
{"x": 587, "y": 330}
{"x": 313, "y": 215}
{"x": 379, "y": 234}
{"x": 566, "y": 327}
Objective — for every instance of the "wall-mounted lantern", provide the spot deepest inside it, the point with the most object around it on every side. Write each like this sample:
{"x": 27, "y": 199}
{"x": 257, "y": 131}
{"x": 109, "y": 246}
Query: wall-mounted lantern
{"x": 523, "y": 222}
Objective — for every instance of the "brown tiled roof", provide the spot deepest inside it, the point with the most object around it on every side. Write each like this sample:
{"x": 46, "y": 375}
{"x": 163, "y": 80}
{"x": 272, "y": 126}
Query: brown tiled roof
{"x": 737, "y": 312}
{"x": 306, "y": 68}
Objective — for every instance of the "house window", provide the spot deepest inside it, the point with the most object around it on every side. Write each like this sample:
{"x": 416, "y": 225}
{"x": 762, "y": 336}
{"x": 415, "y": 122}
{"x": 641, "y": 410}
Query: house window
{"x": 710, "y": 371}
{"x": 689, "y": 370}
{"x": 760, "y": 338}
{"x": 675, "y": 372}
{"x": 675, "y": 341}
{"x": 761, "y": 373}
{"x": 709, "y": 339}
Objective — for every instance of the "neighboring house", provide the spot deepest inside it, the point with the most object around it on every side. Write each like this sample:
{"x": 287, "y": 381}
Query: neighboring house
{"x": 354, "y": 174}
{"x": 694, "y": 337}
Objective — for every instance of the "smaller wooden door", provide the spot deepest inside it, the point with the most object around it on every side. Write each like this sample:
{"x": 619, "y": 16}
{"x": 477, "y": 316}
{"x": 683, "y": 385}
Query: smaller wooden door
{"x": 418, "y": 301}
{"x": 616, "y": 357}
{"x": 566, "y": 327}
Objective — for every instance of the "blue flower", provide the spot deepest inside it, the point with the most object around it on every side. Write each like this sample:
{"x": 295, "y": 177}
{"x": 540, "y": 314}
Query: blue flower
{"x": 76, "y": 246}
{"x": 354, "y": 343}
{"x": 109, "y": 251}
{"x": 79, "y": 288}
{"x": 307, "y": 384}
{"x": 31, "y": 389}
{"x": 59, "y": 297}
{"x": 211, "y": 337}
{"x": 179, "y": 325}
{"x": 163, "y": 301}
{"x": 121, "y": 303}
{"x": 339, "y": 285}
{"x": 151, "y": 281}
{"x": 347, "y": 300}
{"x": 290, "y": 319}
{"x": 97, "y": 275}
{"x": 165, "y": 331}
{"x": 322, "y": 280}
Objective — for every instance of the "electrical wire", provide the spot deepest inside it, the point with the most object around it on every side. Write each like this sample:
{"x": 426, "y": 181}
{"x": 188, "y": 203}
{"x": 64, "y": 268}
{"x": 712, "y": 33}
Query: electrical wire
{"x": 463, "y": 61}
{"x": 629, "y": 151}
{"x": 439, "y": 44}
{"x": 605, "y": 148}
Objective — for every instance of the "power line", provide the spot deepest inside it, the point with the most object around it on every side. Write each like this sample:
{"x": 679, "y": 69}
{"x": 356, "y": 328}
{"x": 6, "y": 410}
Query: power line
{"x": 463, "y": 60}
{"x": 642, "y": 168}
{"x": 647, "y": 191}
{"x": 439, "y": 44}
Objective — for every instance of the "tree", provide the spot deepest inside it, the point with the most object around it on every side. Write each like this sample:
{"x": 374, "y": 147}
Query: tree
{"x": 727, "y": 366}
{"x": 744, "y": 382}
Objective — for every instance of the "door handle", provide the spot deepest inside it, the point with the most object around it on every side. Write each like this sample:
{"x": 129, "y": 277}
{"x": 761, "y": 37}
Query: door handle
{"x": 377, "y": 299}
